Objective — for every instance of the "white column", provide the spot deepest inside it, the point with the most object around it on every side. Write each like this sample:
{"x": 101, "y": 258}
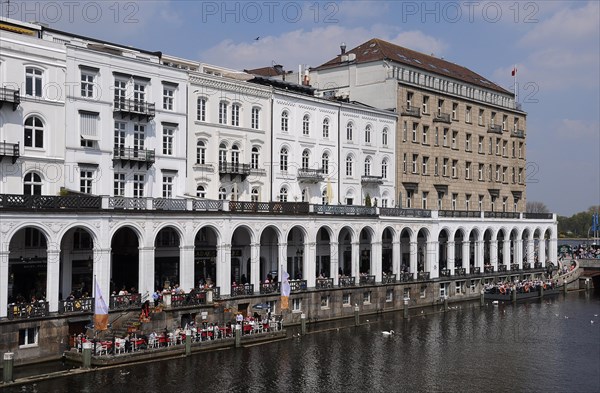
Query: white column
{"x": 224, "y": 268}
{"x": 553, "y": 252}
{"x": 282, "y": 250}
{"x": 146, "y": 271}
{"x": 450, "y": 251}
{"x": 479, "y": 244}
{"x": 466, "y": 256}
{"x": 506, "y": 253}
{"x": 396, "y": 255}
{"x": 101, "y": 270}
{"x": 518, "y": 251}
{"x": 355, "y": 259}
{"x": 414, "y": 252}
{"x": 334, "y": 261}
{"x": 255, "y": 266}
{"x": 376, "y": 262}
{"x": 52, "y": 279}
{"x": 310, "y": 264}
{"x": 186, "y": 267}
{"x": 530, "y": 256}
{"x": 542, "y": 252}
{"x": 494, "y": 254}
{"x": 66, "y": 275}
{"x": 431, "y": 260}
{"x": 3, "y": 282}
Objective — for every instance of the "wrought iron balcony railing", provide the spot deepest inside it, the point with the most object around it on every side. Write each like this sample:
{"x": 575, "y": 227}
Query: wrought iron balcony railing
{"x": 371, "y": 179}
{"x": 76, "y": 305}
{"x": 501, "y": 268}
{"x": 445, "y": 273}
{"x": 514, "y": 266}
{"x": 460, "y": 271}
{"x": 366, "y": 280}
{"x": 10, "y": 96}
{"x": 298, "y": 285}
{"x": 11, "y": 150}
{"x": 269, "y": 207}
{"x": 388, "y": 279}
{"x": 537, "y": 216}
{"x": 234, "y": 169}
{"x": 242, "y": 290}
{"x": 50, "y": 201}
{"x": 423, "y": 276}
{"x": 411, "y": 111}
{"x": 308, "y": 175}
{"x": 406, "y": 277}
{"x": 345, "y": 210}
{"x": 28, "y": 310}
{"x": 271, "y": 287}
{"x": 135, "y": 109}
{"x": 324, "y": 283}
{"x": 459, "y": 213}
{"x": 442, "y": 117}
{"x": 518, "y": 133}
{"x": 125, "y": 302}
{"x": 398, "y": 212}
{"x": 495, "y": 128}
{"x": 347, "y": 281}
{"x": 134, "y": 155}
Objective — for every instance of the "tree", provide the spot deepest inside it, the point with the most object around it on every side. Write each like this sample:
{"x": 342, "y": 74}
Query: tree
{"x": 536, "y": 207}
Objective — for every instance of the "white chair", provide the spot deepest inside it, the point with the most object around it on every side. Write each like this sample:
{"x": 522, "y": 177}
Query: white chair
{"x": 119, "y": 346}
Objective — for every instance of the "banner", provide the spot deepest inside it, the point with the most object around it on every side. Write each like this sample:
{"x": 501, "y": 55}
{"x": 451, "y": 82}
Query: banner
{"x": 285, "y": 290}
{"x": 101, "y": 310}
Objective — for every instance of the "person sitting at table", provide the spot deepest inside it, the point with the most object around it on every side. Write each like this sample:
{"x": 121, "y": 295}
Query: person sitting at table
{"x": 127, "y": 343}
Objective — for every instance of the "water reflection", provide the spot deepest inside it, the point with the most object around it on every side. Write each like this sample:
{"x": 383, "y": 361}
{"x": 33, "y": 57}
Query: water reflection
{"x": 547, "y": 345}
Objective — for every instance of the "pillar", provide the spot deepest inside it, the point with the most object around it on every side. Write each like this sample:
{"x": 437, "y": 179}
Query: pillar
{"x": 450, "y": 257}
{"x": 186, "y": 267}
{"x": 542, "y": 252}
{"x": 282, "y": 252}
{"x": 334, "y": 261}
{"x": 518, "y": 250}
{"x": 101, "y": 270}
{"x": 52, "y": 279}
{"x": 506, "y": 253}
{"x": 355, "y": 259}
{"x": 376, "y": 260}
{"x": 3, "y": 282}
{"x": 553, "y": 246}
{"x": 396, "y": 256}
{"x": 414, "y": 252}
{"x": 66, "y": 276}
{"x": 479, "y": 244}
{"x": 310, "y": 264}
{"x": 146, "y": 269}
{"x": 431, "y": 259}
{"x": 494, "y": 254}
{"x": 530, "y": 251}
{"x": 466, "y": 256}
{"x": 255, "y": 266}
{"x": 224, "y": 268}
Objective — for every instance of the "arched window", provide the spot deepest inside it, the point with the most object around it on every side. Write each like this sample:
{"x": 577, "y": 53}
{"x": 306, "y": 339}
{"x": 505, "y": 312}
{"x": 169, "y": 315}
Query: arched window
{"x": 235, "y": 155}
{"x": 283, "y": 194}
{"x": 254, "y": 194}
{"x": 324, "y": 198}
{"x": 304, "y": 195}
{"x": 306, "y": 125}
{"x": 384, "y": 169}
{"x": 234, "y": 193}
{"x": 305, "y": 159}
{"x": 200, "y": 152}
{"x": 384, "y": 136}
{"x": 283, "y": 159}
{"x": 34, "y": 132}
{"x": 200, "y": 192}
{"x": 32, "y": 184}
{"x": 349, "y": 166}
{"x": 349, "y": 128}
{"x": 326, "y": 128}
{"x": 222, "y": 154}
{"x": 368, "y": 134}
{"x": 325, "y": 163}
{"x": 368, "y": 166}
{"x": 33, "y": 81}
{"x": 254, "y": 159}
{"x": 222, "y": 194}
{"x": 284, "y": 121}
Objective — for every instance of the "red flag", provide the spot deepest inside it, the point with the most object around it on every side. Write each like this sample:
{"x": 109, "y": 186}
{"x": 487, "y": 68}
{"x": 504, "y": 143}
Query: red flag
{"x": 514, "y": 71}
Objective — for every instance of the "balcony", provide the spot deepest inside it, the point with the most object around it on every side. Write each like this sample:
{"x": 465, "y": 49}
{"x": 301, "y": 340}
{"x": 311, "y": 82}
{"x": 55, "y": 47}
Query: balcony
{"x": 11, "y": 150}
{"x": 268, "y": 288}
{"x": 538, "y": 216}
{"x": 365, "y": 279}
{"x": 500, "y": 214}
{"x": 527, "y": 266}
{"x": 27, "y": 310}
{"x": 345, "y": 210}
{"x": 169, "y": 204}
{"x": 495, "y": 128}
{"x": 307, "y": 175}
{"x": 298, "y": 285}
{"x": 234, "y": 169}
{"x": 488, "y": 269}
{"x": 76, "y": 202}
{"x": 445, "y": 273}
{"x": 423, "y": 276}
{"x": 514, "y": 267}
{"x": 406, "y": 277}
{"x": 269, "y": 207}
{"x": 460, "y": 271}
{"x": 442, "y": 117}
{"x": 411, "y": 111}
{"x": 324, "y": 283}
{"x": 501, "y": 268}
{"x": 459, "y": 214}
{"x": 126, "y": 302}
{"x": 518, "y": 133}
{"x": 135, "y": 109}
{"x": 10, "y": 96}
{"x": 475, "y": 270}
{"x": 242, "y": 290}
{"x": 347, "y": 282}
{"x": 398, "y": 212}
{"x": 76, "y": 306}
{"x": 134, "y": 155}
{"x": 367, "y": 180}
{"x": 388, "y": 279}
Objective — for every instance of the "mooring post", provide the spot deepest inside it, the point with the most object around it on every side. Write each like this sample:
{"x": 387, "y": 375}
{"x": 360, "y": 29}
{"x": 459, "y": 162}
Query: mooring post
{"x": 188, "y": 342}
{"x": 87, "y": 354}
{"x": 303, "y": 323}
{"x": 587, "y": 284}
{"x": 542, "y": 291}
{"x": 8, "y": 367}
{"x": 406, "y": 300}
{"x": 513, "y": 295}
{"x": 356, "y": 316}
{"x": 482, "y": 298}
{"x": 445, "y": 303}
{"x": 565, "y": 289}
{"x": 238, "y": 336}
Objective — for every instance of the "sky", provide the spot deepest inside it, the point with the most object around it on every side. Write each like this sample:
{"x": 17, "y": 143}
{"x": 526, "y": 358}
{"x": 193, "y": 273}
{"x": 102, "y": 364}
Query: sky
{"x": 555, "y": 46}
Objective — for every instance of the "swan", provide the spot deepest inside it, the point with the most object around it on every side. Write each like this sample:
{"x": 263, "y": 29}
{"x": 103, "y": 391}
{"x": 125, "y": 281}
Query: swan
{"x": 387, "y": 333}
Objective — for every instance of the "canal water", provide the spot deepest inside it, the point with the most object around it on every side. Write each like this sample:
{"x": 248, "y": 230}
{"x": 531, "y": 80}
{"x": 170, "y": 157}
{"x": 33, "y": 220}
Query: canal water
{"x": 548, "y": 345}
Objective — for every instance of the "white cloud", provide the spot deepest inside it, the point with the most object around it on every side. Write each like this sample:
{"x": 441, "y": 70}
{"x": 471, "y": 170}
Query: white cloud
{"x": 312, "y": 47}
{"x": 577, "y": 130}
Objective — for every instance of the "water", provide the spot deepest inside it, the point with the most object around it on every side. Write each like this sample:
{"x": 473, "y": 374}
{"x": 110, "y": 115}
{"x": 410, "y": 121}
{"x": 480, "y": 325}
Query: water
{"x": 537, "y": 346}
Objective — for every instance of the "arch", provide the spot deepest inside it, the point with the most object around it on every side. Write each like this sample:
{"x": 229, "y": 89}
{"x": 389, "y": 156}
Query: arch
{"x": 125, "y": 243}
{"x": 77, "y": 244}
{"x": 34, "y": 131}
{"x": 28, "y": 279}
{"x": 33, "y": 183}
{"x": 270, "y": 238}
{"x": 346, "y": 238}
{"x": 242, "y": 237}
{"x": 206, "y": 240}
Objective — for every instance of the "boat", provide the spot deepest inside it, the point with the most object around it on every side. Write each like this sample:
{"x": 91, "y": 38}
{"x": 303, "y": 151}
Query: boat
{"x": 496, "y": 294}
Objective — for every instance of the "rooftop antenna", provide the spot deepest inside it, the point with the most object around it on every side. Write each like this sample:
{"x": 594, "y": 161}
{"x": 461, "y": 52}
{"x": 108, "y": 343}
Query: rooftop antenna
{"x": 343, "y": 47}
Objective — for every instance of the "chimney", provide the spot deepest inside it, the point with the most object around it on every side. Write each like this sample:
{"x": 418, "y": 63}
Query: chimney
{"x": 343, "y": 47}
{"x": 278, "y": 69}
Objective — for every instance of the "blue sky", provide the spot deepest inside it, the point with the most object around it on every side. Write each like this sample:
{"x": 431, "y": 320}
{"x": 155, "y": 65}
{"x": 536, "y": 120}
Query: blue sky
{"x": 555, "y": 45}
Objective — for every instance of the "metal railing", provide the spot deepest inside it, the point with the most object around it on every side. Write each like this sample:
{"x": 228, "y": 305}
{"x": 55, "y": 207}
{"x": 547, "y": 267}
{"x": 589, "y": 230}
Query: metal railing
{"x": 242, "y": 290}
{"x": 442, "y": 117}
{"x": 460, "y": 271}
{"x": 50, "y": 201}
{"x": 11, "y": 96}
{"x": 501, "y": 268}
{"x": 10, "y": 150}
{"x": 28, "y": 310}
{"x": 271, "y": 287}
{"x": 459, "y": 213}
{"x": 421, "y": 276}
{"x": 194, "y": 298}
{"x": 518, "y": 133}
{"x": 298, "y": 285}
{"x": 411, "y": 111}
{"x": 445, "y": 273}
{"x": 234, "y": 168}
{"x": 526, "y": 266}
{"x": 406, "y": 277}
{"x": 310, "y": 175}
{"x": 501, "y": 215}
{"x": 269, "y": 207}
{"x": 76, "y": 305}
{"x": 134, "y": 154}
{"x": 488, "y": 269}
{"x": 125, "y": 302}
{"x": 371, "y": 179}
{"x": 537, "y": 265}
{"x": 324, "y": 283}
{"x": 538, "y": 216}
{"x": 135, "y": 107}
{"x": 495, "y": 128}
{"x": 475, "y": 270}
{"x": 514, "y": 266}
{"x": 366, "y": 280}
{"x": 349, "y": 210}
{"x": 398, "y": 212}
{"x": 388, "y": 279}
{"x": 347, "y": 281}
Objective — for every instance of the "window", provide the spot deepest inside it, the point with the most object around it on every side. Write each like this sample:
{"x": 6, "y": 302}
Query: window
{"x": 453, "y": 201}
{"x": 514, "y": 149}
{"x": 459, "y": 287}
{"x": 409, "y": 196}
{"x": 32, "y": 184}
{"x": 454, "y": 170}
{"x": 139, "y": 92}
{"x": 467, "y": 142}
{"x": 366, "y": 297}
{"x": 425, "y": 104}
{"x": 34, "y": 132}
{"x": 406, "y": 293}
{"x": 167, "y": 186}
{"x": 222, "y": 194}
{"x": 423, "y": 291}
{"x": 305, "y": 159}
{"x": 88, "y": 128}
{"x": 254, "y": 194}
{"x": 283, "y": 194}
{"x": 200, "y": 153}
{"x": 284, "y": 121}
{"x": 424, "y": 165}
{"x": 235, "y": 155}
{"x": 415, "y": 158}
{"x": 368, "y": 166}
{"x": 515, "y": 123}
{"x": 325, "y": 163}
{"x": 222, "y": 154}
{"x": 480, "y": 203}
{"x": 454, "y": 111}
{"x": 409, "y": 97}
{"x": 504, "y": 174}
{"x": 504, "y": 145}
{"x": 384, "y": 137}
{"x": 119, "y": 136}
{"x": 139, "y": 131}
{"x": 28, "y": 337}
{"x": 445, "y": 167}
{"x": 168, "y": 96}
{"x": 283, "y": 159}
{"x": 86, "y": 178}
{"x": 404, "y": 163}
{"x": 235, "y": 115}
{"x": 306, "y": 125}
{"x": 468, "y": 114}
{"x": 480, "y": 145}
{"x": 87, "y": 84}
{"x": 435, "y": 167}
{"x": 167, "y": 145}
{"x": 454, "y": 139}
{"x": 443, "y": 293}
{"x": 384, "y": 169}
{"x": 368, "y": 134}
{"x": 437, "y": 136}
{"x": 440, "y": 200}
{"x": 520, "y": 149}
{"x": 504, "y": 120}
{"x": 490, "y": 178}
{"x": 424, "y": 200}
{"x": 490, "y": 145}
{"x": 349, "y": 166}
{"x": 326, "y": 128}
{"x": 445, "y": 138}
{"x": 389, "y": 295}
{"x": 254, "y": 159}
{"x": 200, "y": 191}
{"x": 222, "y": 112}
{"x": 255, "y": 118}
{"x": 405, "y": 131}
{"x": 119, "y": 185}
{"x": 120, "y": 92}
{"x": 473, "y": 286}
{"x": 504, "y": 200}
{"x": 467, "y": 201}
{"x": 497, "y": 172}
{"x": 346, "y": 299}
{"x": 440, "y": 107}
{"x": 33, "y": 82}
{"x": 497, "y": 146}
{"x": 468, "y": 170}
{"x": 480, "y": 118}
{"x": 138, "y": 185}
{"x": 349, "y": 128}
{"x": 324, "y": 197}
{"x": 201, "y": 109}
{"x": 513, "y": 176}
{"x": 425, "y": 132}
{"x": 414, "y": 132}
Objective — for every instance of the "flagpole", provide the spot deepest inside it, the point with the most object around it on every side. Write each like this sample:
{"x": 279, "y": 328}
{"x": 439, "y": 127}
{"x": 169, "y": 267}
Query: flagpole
{"x": 515, "y": 84}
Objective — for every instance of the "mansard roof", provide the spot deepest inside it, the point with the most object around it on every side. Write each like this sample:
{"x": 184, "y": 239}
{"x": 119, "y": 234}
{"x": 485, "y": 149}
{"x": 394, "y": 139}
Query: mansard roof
{"x": 380, "y": 50}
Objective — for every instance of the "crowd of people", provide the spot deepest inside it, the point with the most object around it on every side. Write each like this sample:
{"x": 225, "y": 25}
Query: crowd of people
{"x": 582, "y": 251}
{"x": 520, "y": 286}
